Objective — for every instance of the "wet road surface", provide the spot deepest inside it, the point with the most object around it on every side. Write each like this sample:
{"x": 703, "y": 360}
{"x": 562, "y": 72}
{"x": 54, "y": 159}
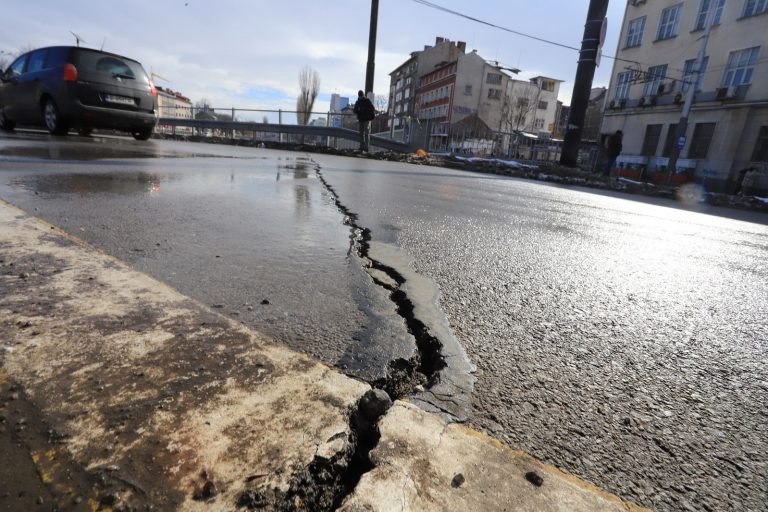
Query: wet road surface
{"x": 252, "y": 233}
{"x": 622, "y": 340}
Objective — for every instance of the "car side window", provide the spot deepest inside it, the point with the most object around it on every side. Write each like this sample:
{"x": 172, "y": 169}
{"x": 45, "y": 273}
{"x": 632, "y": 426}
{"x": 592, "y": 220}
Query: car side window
{"x": 55, "y": 57}
{"x": 17, "y": 67}
{"x": 36, "y": 61}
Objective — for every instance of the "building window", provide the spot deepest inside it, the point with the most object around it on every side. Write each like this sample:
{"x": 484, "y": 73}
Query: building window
{"x": 635, "y": 32}
{"x": 761, "y": 146}
{"x": 704, "y": 11}
{"x": 538, "y": 124}
{"x": 653, "y": 79}
{"x": 651, "y": 139}
{"x": 548, "y": 85}
{"x": 623, "y": 83}
{"x": 702, "y": 138}
{"x": 755, "y": 7}
{"x": 494, "y": 94}
{"x": 670, "y": 22}
{"x": 493, "y": 78}
{"x": 543, "y": 105}
{"x": 670, "y": 141}
{"x": 741, "y": 64}
{"x": 467, "y": 90}
{"x": 688, "y": 72}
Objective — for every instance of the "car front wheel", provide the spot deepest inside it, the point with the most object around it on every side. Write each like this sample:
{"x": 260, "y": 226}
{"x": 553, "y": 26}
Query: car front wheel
{"x": 53, "y": 120}
{"x": 6, "y": 124}
{"x": 142, "y": 133}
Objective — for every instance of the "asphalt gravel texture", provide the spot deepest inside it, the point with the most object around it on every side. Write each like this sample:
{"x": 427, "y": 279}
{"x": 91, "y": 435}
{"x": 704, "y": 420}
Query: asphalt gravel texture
{"x": 622, "y": 339}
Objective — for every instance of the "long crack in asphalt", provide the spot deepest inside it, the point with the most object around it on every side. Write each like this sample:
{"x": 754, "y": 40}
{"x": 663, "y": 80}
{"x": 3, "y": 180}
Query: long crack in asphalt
{"x": 428, "y": 378}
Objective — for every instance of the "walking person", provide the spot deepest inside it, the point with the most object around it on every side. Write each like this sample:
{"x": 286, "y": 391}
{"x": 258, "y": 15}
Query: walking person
{"x": 365, "y": 114}
{"x": 613, "y": 149}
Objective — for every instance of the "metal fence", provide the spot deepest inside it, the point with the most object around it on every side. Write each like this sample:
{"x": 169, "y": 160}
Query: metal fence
{"x": 339, "y": 130}
{"x": 463, "y": 140}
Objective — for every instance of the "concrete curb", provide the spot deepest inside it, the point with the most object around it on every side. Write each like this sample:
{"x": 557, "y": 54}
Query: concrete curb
{"x": 152, "y": 399}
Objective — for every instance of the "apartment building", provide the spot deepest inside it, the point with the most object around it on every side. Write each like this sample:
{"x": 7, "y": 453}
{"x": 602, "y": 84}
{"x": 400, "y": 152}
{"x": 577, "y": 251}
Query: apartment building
{"x": 657, "y": 64}
{"x": 443, "y": 84}
{"x": 404, "y": 79}
{"x": 173, "y": 104}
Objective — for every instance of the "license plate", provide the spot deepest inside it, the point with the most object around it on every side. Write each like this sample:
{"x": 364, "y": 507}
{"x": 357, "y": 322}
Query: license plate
{"x": 122, "y": 100}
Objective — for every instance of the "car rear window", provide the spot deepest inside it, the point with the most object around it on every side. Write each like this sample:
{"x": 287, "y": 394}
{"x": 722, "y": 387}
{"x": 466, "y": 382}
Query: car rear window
{"x": 113, "y": 65}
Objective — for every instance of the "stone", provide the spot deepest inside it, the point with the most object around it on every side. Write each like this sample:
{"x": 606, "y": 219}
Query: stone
{"x": 374, "y": 403}
{"x": 457, "y": 480}
{"x": 534, "y": 478}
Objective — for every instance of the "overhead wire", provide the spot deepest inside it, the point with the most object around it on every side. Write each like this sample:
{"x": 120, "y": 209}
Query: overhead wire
{"x": 684, "y": 78}
{"x": 438, "y": 7}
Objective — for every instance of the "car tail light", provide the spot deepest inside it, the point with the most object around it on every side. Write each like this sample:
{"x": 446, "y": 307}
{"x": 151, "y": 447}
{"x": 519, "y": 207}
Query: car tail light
{"x": 152, "y": 88}
{"x": 70, "y": 72}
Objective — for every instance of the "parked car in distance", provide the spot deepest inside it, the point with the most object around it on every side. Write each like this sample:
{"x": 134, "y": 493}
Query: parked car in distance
{"x": 63, "y": 87}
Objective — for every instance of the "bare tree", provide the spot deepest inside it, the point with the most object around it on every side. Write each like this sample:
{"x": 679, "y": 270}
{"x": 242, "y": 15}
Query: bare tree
{"x": 309, "y": 87}
{"x": 380, "y": 102}
{"x": 6, "y": 58}
{"x": 521, "y": 100}
{"x": 203, "y": 105}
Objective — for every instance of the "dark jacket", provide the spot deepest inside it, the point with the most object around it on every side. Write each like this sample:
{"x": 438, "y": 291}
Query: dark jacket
{"x": 613, "y": 145}
{"x": 364, "y": 109}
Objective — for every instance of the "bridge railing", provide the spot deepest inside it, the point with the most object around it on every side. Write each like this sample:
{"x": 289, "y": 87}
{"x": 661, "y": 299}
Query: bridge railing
{"x": 332, "y": 129}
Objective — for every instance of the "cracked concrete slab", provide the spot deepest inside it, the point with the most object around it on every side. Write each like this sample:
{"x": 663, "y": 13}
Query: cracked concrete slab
{"x": 424, "y": 464}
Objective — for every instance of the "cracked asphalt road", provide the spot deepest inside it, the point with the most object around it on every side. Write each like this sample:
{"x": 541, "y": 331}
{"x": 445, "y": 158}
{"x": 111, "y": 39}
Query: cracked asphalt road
{"x": 622, "y": 339}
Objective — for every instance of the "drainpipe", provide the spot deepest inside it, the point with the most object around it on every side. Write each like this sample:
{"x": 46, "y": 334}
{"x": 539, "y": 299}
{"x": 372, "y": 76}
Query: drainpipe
{"x": 682, "y": 124}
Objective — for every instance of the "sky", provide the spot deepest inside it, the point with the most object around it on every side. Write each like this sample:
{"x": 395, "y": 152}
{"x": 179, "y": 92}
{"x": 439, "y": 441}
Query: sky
{"x": 248, "y": 53}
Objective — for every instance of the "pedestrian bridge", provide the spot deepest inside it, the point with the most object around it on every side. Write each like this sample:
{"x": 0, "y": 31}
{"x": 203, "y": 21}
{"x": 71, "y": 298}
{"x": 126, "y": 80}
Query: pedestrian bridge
{"x": 291, "y": 129}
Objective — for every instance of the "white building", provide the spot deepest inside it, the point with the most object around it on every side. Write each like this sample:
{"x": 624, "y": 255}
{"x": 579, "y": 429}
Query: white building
{"x": 172, "y": 104}
{"x": 655, "y": 66}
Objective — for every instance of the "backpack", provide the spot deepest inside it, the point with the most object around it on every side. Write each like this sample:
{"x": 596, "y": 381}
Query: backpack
{"x": 367, "y": 112}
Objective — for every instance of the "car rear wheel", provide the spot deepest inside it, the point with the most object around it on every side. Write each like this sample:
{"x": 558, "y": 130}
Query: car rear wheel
{"x": 6, "y": 124}
{"x": 85, "y": 131}
{"x": 142, "y": 133}
{"x": 53, "y": 120}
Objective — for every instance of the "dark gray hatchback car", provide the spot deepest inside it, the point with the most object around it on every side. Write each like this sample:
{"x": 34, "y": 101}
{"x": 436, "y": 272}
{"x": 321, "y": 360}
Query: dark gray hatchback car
{"x": 65, "y": 87}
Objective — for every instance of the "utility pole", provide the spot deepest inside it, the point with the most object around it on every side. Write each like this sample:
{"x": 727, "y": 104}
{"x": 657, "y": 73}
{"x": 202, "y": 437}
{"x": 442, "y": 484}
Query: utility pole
{"x": 585, "y": 72}
{"x": 371, "y": 47}
{"x": 682, "y": 124}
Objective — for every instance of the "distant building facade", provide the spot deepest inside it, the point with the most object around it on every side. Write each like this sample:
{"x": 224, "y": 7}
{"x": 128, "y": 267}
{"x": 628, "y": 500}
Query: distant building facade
{"x": 338, "y": 104}
{"x": 445, "y": 85}
{"x": 173, "y": 104}
{"x": 404, "y": 80}
{"x": 728, "y": 124}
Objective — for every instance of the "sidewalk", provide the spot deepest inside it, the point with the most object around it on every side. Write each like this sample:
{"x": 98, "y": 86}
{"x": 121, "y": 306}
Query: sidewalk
{"x": 122, "y": 393}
